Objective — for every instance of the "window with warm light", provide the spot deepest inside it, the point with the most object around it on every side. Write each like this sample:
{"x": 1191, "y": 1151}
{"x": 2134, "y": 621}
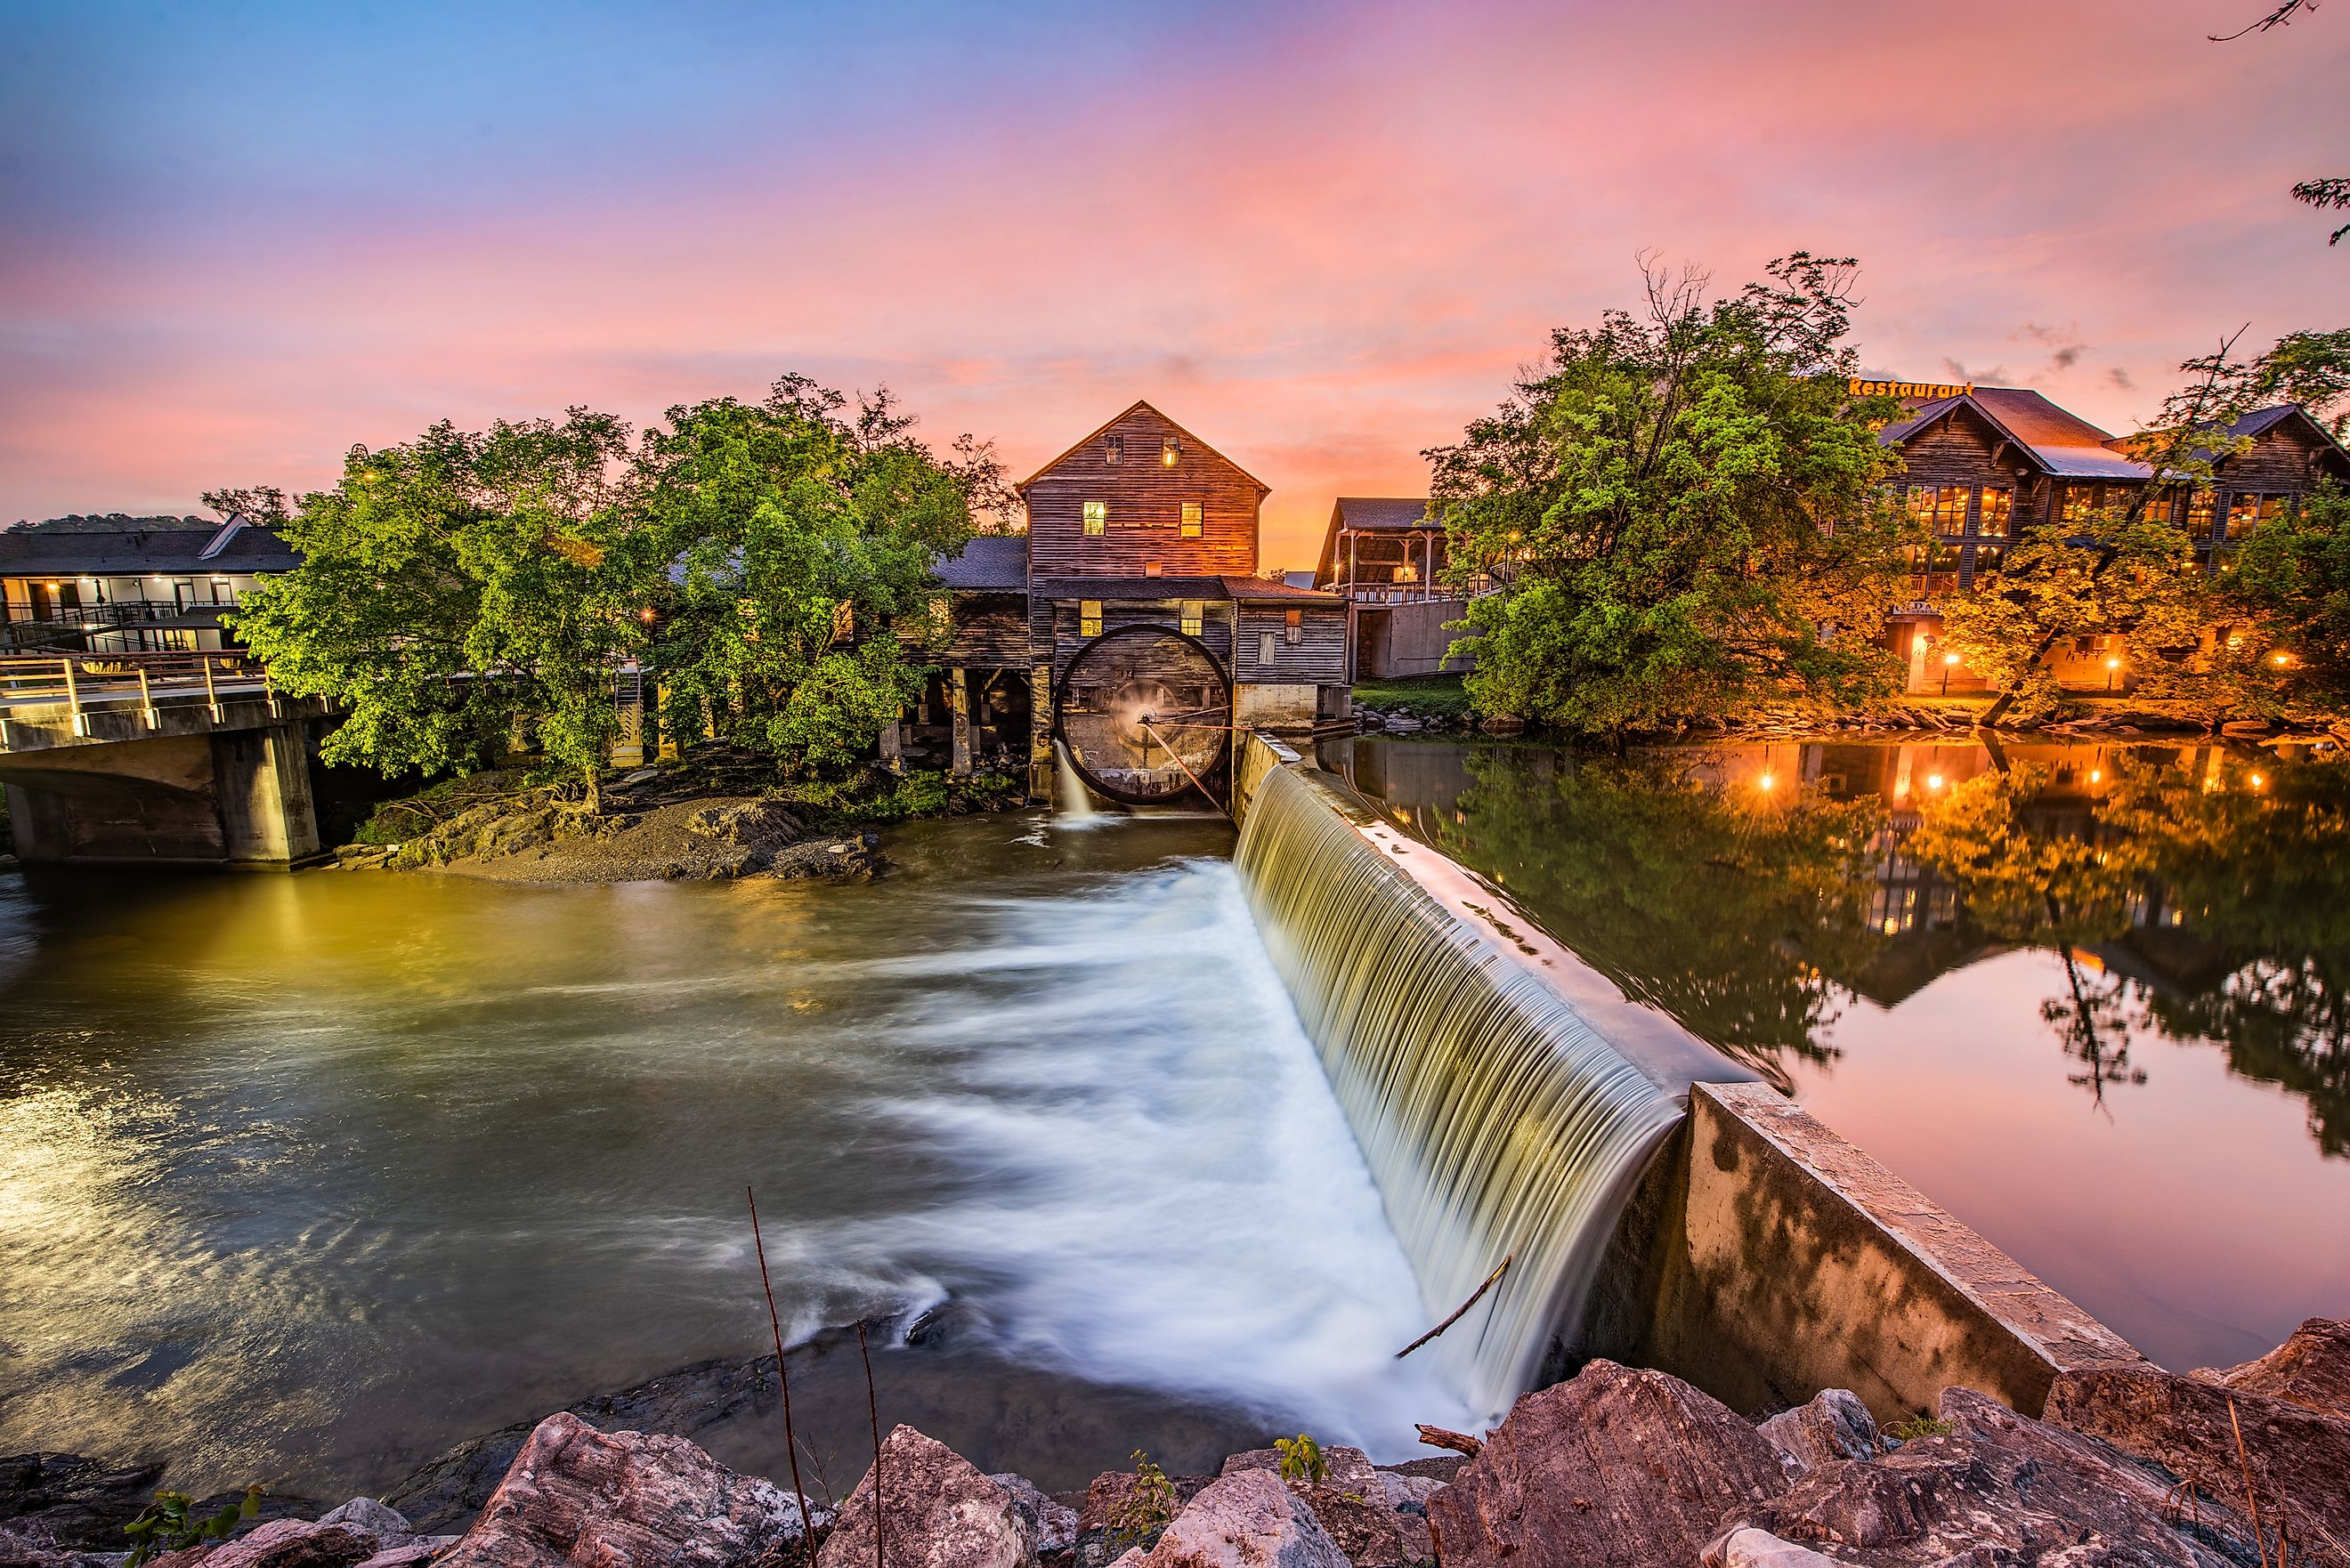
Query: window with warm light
{"x": 2246, "y": 513}
{"x": 1089, "y": 617}
{"x": 1191, "y": 519}
{"x": 1194, "y": 614}
{"x": 1114, "y": 450}
{"x": 1168, "y": 451}
{"x": 2079, "y": 503}
{"x": 1998, "y": 510}
{"x": 2202, "y": 511}
{"x": 1097, "y": 516}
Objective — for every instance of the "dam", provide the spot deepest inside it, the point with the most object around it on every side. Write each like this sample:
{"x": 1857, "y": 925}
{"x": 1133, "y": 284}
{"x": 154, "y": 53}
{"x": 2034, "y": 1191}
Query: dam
{"x": 1124, "y": 1131}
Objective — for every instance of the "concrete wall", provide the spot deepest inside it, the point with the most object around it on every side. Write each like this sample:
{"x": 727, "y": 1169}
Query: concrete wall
{"x": 1407, "y": 639}
{"x": 1766, "y": 1259}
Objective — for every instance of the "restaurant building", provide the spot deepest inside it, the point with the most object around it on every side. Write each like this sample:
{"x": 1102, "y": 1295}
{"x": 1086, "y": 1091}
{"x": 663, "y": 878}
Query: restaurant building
{"x": 117, "y": 583}
{"x": 1983, "y": 464}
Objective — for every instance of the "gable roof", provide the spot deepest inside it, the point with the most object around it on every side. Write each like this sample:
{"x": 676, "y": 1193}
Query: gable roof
{"x": 1103, "y": 429}
{"x": 2259, "y": 421}
{"x": 142, "y": 547}
{"x": 2056, "y": 439}
{"x": 1274, "y": 590}
{"x": 1382, "y": 514}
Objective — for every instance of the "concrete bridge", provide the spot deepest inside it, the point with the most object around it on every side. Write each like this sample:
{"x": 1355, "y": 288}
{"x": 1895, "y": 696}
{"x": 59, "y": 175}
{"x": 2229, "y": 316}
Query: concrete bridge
{"x": 156, "y": 758}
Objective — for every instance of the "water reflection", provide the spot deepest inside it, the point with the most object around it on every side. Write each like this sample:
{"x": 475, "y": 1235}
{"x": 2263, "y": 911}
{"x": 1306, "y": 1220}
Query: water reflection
{"x": 1928, "y": 941}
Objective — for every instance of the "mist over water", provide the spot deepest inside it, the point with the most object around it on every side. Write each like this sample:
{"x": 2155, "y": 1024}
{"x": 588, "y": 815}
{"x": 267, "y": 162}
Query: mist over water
{"x": 306, "y": 1179}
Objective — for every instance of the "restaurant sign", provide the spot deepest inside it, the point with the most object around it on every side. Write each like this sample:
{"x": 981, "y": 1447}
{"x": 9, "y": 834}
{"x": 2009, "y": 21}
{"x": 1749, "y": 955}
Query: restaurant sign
{"x": 1925, "y": 389}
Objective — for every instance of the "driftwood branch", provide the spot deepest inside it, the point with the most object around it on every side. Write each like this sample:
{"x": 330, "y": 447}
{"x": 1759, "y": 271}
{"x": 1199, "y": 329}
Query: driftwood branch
{"x": 1476, "y": 1296}
{"x": 783, "y": 1373}
{"x": 1459, "y": 1442}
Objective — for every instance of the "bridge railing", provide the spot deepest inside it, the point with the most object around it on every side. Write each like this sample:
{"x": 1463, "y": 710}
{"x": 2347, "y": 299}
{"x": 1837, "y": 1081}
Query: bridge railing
{"x": 87, "y": 682}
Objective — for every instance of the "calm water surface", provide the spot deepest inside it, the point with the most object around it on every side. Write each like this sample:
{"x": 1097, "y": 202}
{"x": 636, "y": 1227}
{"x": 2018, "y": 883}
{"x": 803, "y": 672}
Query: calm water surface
{"x": 2091, "y": 999}
{"x": 304, "y": 1178}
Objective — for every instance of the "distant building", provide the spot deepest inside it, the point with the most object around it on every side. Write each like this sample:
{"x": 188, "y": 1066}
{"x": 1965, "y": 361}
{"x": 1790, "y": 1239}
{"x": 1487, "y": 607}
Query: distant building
{"x": 1986, "y": 463}
{"x": 1140, "y": 524}
{"x": 1388, "y": 558}
{"x": 129, "y": 585}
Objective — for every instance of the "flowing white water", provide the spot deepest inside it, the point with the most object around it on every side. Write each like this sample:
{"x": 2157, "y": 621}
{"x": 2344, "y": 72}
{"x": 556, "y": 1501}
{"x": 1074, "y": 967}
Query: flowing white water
{"x": 1498, "y": 1123}
{"x": 1072, "y": 804}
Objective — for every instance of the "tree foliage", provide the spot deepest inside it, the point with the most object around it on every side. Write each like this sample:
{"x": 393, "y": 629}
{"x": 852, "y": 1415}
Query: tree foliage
{"x": 1684, "y": 507}
{"x": 801, "y": 595}
{"x": 459, "y": 584}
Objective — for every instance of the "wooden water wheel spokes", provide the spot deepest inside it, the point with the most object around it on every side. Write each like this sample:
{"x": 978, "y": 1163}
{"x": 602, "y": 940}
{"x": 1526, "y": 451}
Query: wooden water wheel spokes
{"x": 1146, "y": 713}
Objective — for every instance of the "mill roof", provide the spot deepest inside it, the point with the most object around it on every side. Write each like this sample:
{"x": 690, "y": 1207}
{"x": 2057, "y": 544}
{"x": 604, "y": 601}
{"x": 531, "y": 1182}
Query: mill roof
{"x": 1383, "y": 513}
{"x": 1272, "y": 591}
{"x": 2060, "y": 441}
{"x": 1114, "y": 589}
{"x": 991, "y": 561}
{"x": 1103, "y": 429}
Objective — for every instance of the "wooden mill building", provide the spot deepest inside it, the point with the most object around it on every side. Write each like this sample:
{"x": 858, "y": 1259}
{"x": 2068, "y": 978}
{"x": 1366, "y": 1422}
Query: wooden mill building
{"x": 1985, "y": 464}
{"x": 1140, "y": 523}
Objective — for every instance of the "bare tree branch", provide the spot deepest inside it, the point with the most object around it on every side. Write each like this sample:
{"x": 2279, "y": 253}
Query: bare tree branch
{"x": 2282, "y": 17}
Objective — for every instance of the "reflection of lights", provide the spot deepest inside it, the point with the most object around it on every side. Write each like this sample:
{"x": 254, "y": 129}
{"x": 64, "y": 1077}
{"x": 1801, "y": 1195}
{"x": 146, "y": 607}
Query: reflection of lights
{"x": 1765, "y": 781}
{"x": 2096, "y": 775}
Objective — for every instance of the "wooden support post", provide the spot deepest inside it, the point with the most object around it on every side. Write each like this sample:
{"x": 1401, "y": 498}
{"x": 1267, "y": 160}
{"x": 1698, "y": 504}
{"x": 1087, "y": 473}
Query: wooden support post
{"x": 893, "y": 745}
{"x": 1040, "y": 733}
{"x": 958, "y": 698}
{"x": 212, "y": 693}
{"x": 146, "y": 699}
{"x": 73, "y": 701}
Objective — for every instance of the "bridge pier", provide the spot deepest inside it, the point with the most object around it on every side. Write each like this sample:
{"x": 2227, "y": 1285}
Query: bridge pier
{"x": 220, "y": 781}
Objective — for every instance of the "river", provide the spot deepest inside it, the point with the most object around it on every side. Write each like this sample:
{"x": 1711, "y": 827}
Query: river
{"x": 2089, "y": 998}
{"x": 304, "y": 1178}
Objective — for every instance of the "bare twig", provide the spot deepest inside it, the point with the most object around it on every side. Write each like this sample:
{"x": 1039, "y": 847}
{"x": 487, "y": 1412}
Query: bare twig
{"x": 2280, "y": 16}
{"x": 1459, "y": 1442}
{"x": 1475, "y": 1296}
{"x": 2245, "y": 1463}
{"x": 784, "y": 1379}
{"x": 872, "y": 1414}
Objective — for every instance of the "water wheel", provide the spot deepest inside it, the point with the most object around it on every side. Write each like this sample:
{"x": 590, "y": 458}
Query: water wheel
{"x": 1146, "y": 713}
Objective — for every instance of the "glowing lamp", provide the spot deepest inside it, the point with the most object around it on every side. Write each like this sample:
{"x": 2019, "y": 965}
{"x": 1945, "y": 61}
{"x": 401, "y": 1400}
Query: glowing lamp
{"x": 1765, "y": 781}
{"x": 2258, "y": 780}
{"x": 2112, "y": 664}
{"x": 1950, "y": 659}
{"x": 1933, "y": 781}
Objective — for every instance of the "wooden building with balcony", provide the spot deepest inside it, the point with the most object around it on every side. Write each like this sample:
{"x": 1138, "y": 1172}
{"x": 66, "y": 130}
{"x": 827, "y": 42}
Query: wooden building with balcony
{"x": 1986, "y": 464}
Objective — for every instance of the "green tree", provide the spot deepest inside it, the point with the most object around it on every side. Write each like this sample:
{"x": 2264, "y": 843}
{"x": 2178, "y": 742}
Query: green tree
{"x": 1685, "y": 507}
{"x": 801, "y": 596}
{"x": 2291, "y": 580}
{"x": 459, "y": 584}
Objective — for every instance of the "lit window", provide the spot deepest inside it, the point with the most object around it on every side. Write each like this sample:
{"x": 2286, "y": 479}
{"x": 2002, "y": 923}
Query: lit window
{"x": 1293, "y": 631}
{"x": 1194, "y": 612}
{"x": 1264, "y": 649}
{"x": 2202, "y": 511}
{"x": 1998, "y": 510}
{"x": 1115, "y": 452}
{"x": 1097, "y": 516}
{"x": 2080, "y": 503}
{"x": 1191, "y": 519}
{"x": 1089, "y": 617}
{"x": 1168, "y": 451}
{"x": 1941, "y": 507}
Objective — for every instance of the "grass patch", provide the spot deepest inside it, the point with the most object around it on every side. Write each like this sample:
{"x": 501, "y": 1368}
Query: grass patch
{"x": 1420, "y": 694}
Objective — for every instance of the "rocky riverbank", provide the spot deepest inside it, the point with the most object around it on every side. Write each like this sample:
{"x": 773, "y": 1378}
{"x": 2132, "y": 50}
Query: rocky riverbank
{"x": 1619, "y": 1468}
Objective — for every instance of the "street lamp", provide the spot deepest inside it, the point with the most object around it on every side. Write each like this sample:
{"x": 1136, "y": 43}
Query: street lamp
{"x": 1949, "y": 662}
{"x": 2112, "y": 667}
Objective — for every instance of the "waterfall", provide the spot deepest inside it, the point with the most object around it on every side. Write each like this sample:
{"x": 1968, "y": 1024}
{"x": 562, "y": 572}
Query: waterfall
{"x": 1496, "y": 1120}
{"x": 1072, "y": 804}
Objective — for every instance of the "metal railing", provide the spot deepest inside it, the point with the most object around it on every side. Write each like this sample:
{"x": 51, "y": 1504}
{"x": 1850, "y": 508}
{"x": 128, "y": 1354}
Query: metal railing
{"x": 89, "y": 682}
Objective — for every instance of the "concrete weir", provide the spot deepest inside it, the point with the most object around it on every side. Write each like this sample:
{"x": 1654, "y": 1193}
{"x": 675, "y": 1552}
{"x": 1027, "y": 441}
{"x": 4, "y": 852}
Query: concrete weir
{"x": 1719, "y": 1231}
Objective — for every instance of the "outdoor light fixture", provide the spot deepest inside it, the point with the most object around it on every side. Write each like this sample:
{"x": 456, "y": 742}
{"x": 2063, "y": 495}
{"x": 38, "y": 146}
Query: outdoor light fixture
{"x": 2096, "y": 775}
{"x": 2258, "y": 780}
{"x": 2281, "y": 659}
{"x": 2111, "y": 666}
{"x": 1949, "y": 661}
{"x": 1933, "y": 781}
{"x": 1765, "y": 781}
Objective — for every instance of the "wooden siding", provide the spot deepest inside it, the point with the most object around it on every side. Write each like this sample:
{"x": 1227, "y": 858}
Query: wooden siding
{"x": 1319, "y": 655}
{"x": 2284, "y": 460}
{"x": 1146, "y": 504}
{"x": 1215, "y": 627}
{"x": 991, "y": 632}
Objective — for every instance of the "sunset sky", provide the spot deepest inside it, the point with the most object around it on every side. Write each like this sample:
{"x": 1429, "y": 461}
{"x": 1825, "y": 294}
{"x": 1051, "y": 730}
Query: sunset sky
{"x": 236, "y": 239}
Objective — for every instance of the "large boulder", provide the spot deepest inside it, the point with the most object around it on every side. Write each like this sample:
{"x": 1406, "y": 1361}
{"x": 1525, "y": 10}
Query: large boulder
{"x": 70, "y": 1500}
{"x": 18, "y": 1549}
{"x": 1618, "y": 1468}
{"x": 575, "y": 1495}
{"x": 1349, "y": 1501}
{"x": 1054, "y": 1523}
{"x": 1834, "y": 1425}
{"x": 937, "y": 1510}
{"x": 2312, "y": 1369}
{"x": 2298, "y": 1458}
{"x": 281, "y": 1544}
{"x": 1247, "y": 1520}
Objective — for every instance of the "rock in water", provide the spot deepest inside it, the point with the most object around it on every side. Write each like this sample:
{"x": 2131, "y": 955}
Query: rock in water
{"x": 2312, "y": 1369}
{"x": 1246, "y": 1520}
{"x": 1834, "y": 1426}
{"x": 575, "y": 1495}
{"x": 72, "y": 1500}
{"x": 937, "y": 1511}
{"x": 2299, "y": 1457}
{"x": 1618, "y": 1468}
